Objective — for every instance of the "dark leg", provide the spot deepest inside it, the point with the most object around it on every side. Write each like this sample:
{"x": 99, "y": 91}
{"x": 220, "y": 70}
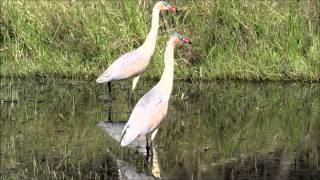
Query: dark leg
{"x": 109, "y": 91}
{"x": 151, "y": 147}
{"x": 109, "y": 87}
{"x": 110, "y": 112}
{"x": 148, "y": 157}
{"x": 148, "y": 147}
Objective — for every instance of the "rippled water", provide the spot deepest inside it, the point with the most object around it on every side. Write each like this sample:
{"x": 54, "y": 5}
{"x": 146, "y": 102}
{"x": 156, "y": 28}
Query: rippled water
{"x": 53, "y": 128}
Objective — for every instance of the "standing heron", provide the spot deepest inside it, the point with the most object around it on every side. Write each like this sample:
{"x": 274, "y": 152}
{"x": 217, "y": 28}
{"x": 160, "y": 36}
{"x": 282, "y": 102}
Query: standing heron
{"x": 151, "y": 109}
{"x": 133, "y": 63}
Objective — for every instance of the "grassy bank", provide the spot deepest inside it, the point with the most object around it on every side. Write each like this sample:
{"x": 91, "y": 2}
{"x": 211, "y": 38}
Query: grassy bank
{"x": 258, "y": 40}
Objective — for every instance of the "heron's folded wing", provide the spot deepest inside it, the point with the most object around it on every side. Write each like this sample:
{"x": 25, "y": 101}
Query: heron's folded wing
{"x": 148, "y": 112}
{"x": 126, "y": 66}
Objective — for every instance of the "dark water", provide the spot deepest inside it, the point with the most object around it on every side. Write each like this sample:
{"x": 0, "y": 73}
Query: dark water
{"x": 218, "y": 130}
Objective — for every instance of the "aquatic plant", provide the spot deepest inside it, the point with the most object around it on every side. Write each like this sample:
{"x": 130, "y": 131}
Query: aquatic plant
{"x": 51, "y": 130}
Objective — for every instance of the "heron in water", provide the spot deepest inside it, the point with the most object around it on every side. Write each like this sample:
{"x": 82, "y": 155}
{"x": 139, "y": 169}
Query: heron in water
{"x": 152, "y": 108}
{"x": 133, "y": 64}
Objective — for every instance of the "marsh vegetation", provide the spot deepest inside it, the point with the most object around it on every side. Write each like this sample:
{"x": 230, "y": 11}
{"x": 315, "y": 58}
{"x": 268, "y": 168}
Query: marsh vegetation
{"x": 260, "y": 40}
{"x": 221, "y": 129}
{"x": 50, "y": 107}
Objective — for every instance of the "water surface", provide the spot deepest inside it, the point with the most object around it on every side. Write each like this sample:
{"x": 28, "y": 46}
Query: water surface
{"x": 214, "y": 130}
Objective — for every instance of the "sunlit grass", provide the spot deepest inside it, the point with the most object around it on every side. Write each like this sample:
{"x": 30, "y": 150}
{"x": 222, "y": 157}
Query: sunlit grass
{"x": 261, "y": 40}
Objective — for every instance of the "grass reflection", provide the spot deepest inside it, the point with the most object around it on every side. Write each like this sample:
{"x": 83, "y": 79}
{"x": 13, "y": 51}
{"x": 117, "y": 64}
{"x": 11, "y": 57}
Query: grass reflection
{"x": 213, "y": 129}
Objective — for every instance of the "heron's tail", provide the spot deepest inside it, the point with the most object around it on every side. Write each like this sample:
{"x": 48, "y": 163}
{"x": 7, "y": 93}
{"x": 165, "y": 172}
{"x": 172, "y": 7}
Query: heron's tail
{"x": 128, "y": 136}
{"x": 103, "y": 78}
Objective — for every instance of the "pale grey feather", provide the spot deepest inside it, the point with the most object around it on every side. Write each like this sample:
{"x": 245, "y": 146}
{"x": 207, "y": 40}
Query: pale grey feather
{"x": 146, "y": 115}
{"x": 127, "y": 66}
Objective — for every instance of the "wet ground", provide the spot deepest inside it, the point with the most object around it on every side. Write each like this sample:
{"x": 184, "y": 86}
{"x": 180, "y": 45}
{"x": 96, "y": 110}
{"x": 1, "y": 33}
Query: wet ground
{"x": 63, "y": 129}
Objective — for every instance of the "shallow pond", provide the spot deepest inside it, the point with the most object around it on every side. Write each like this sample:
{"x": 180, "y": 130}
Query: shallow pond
{"x": 51, "y": 129}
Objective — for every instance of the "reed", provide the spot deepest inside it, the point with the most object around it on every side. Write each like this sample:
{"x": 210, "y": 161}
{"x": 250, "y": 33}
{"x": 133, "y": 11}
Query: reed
{"x": 258, "y": 40}
{"x": 51, "y": 130}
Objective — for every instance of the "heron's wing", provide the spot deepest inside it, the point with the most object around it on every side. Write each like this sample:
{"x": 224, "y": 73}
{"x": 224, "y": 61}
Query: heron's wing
{"x": 146, "y": 115}
{"x": 126, "y": 66}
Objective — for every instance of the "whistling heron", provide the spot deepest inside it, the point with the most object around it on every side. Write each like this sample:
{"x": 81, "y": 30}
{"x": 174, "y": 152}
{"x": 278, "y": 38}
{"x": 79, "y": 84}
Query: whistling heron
{"x": 133, "y": 63}
{"x": 151, "y": 109}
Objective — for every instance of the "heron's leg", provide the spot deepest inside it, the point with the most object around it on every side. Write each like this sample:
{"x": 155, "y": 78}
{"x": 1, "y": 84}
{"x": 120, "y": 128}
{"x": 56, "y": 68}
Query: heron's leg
{"x": 109, "y": 87}
{"x": 154, "y": 133}
{"x": 147, "y": 147}
{"x": 155, "y": 169}
{"x": 130, "y": 93}
{"x": 118, "y": 167}
{"x": 110, "y": 111}
{"x": 109, "y": 90}
{"x": 135, "y": 81}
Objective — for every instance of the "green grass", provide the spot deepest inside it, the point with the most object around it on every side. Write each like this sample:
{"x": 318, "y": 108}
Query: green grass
{"x": 258, "y": 40}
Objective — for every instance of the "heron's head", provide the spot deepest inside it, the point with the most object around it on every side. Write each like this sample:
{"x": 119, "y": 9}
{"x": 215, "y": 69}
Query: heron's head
{"x": 179, "y": 38}
{"x": 164, "y": 5}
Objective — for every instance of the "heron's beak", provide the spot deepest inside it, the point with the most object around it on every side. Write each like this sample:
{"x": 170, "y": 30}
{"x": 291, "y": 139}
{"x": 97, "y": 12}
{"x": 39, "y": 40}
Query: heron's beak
{"x": 171, "y": 8}
{"x": 187, "y": 40}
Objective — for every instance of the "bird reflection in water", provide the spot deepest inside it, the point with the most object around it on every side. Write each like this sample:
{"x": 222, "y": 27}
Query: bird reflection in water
{"x": 114, "y": 129}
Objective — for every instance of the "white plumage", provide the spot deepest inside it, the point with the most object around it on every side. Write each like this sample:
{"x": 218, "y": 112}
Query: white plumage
{"x": 152, "y": 108}
{"x": 132, "y": 64}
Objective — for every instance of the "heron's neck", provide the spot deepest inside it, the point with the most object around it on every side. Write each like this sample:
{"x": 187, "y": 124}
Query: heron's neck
{"x": 166, "y": 81}
{"x": 150, "y": 42}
